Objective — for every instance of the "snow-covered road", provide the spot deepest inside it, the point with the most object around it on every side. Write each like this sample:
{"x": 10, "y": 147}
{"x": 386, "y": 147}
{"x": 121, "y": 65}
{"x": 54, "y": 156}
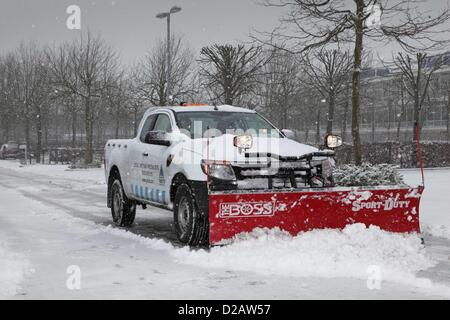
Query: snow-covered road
{"x": 51, "y": 219}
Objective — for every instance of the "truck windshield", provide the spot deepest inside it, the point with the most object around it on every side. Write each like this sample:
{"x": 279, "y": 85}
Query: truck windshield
{"x": 195, "y": 124}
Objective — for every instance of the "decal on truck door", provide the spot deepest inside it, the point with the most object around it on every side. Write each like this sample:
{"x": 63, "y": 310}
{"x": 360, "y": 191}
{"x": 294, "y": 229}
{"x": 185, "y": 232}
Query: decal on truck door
{"x": 148, "y": 172}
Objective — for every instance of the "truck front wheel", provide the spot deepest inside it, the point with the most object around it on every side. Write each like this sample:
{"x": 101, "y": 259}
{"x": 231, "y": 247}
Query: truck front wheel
{"x": 123, "y": 210}
{"x": 191, "y": 226}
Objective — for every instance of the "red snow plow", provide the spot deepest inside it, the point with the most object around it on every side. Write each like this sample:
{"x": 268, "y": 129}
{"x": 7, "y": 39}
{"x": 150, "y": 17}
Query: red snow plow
{"x": 299, "y": 209}
{"x": 391, "y": 209}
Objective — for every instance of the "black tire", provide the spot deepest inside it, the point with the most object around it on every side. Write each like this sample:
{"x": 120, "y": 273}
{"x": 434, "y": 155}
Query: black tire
{"x": 123, "y": 210}
{"x": 191, "y": 225}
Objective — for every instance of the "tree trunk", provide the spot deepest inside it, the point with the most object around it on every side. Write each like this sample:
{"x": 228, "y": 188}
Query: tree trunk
{"x": 373, "y": 123}
{"x": 330, "y": 117}
{"x": 448, "y": 118}
{"x": 306, "y": 128}
{"x": 318, "y": 127}
{"x": 135, "y": 121}
{"x": 285, "y": 118}
{"x": 402, "y": 113}
{"x": 99, "y": 132}
{"x": 56, "y": 126}
{"x": 5, "y": 125}
{"x": 39, "y": 135}
{"x": 417, "y": 98}
{"x": 88, "y": 156}
{"x": 117, "y": 122}
{"x": 389, "y": 120}
{"x": 74, "y": 126}
{"x": 27, "y": 131}
{"x": 344, "y": 120}
{"x": 416, "y": 119}
{"x": 46, "y": 132}
{"x": 356, "y": 81}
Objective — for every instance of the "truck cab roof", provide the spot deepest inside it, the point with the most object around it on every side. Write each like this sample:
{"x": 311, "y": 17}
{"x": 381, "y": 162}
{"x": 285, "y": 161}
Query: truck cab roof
{"x": 196, "y": 108}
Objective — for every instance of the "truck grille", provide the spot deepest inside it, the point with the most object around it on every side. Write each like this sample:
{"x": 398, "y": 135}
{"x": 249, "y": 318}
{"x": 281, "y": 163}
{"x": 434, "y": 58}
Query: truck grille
{"x": 272, "y": 175}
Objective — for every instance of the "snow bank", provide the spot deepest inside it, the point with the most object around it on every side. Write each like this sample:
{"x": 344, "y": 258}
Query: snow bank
{"x": 321, "y": 253}
{"x": 13, "y": 269}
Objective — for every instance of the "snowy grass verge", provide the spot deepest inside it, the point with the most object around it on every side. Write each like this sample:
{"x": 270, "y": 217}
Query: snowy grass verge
{"x": 90, "y": 175}
{"x": 13, "y": 270}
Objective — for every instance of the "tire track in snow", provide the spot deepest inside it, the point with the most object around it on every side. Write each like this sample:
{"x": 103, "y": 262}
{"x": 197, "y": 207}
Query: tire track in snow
{"x": 89, "y": 205}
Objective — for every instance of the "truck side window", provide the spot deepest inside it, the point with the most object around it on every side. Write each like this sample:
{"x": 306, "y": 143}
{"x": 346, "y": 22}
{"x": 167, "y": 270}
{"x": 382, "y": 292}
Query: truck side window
{"x": 162, "y": 123}
{"x": 148, "y": 126}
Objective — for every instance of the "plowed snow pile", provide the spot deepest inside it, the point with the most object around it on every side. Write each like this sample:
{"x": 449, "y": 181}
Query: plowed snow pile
{"x": 354, "y": 252}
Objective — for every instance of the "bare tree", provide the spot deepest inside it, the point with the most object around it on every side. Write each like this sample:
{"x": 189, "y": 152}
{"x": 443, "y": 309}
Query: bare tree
{"x": 399, "y": 84}
{"x": 116, "y": 96}
{"x": 417, "y": 74}
{"x": 346, "y": 102}
{"x": 7, "y": 114}
{"x": 328, "y": 72}
{"x": 447, "y": 109}
{"x": 136, "y": 97}
{"x": 229, "y": 72}
{"x": 84, "y": 68}
{"x": 315, "y": 23}
{"x": 151, "y": 72}
{"x": 279, "y": 85}
{"x": 31, "y": 91}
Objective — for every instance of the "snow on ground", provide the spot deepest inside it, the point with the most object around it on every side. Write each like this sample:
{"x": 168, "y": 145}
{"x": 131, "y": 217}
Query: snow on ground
{"x": 96, "y": 176}
{"x": 435, "y": 203}
{"x": 13, "y": 269}
{"x": 52, "y": 218}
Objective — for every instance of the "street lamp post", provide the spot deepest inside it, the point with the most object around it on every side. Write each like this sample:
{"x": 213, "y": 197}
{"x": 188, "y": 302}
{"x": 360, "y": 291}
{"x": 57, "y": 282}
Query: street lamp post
{"x": 167, "y": 15}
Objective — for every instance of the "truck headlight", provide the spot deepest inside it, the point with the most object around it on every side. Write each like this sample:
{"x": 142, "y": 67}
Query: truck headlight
{"x": 244, "y": 142}
{"x": 218, "y": 169}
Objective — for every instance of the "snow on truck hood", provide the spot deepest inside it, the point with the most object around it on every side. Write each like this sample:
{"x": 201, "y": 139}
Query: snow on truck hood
{"x": 222, "y": 147}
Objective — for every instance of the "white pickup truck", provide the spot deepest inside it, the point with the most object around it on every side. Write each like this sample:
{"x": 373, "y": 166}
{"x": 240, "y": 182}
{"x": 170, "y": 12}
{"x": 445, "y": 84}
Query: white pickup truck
{"x": 182, "y": 153}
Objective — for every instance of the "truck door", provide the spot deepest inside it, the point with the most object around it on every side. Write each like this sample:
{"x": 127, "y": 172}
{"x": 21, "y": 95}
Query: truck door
{"x": 154, "y": 186}
{"x": 136, "y": 159}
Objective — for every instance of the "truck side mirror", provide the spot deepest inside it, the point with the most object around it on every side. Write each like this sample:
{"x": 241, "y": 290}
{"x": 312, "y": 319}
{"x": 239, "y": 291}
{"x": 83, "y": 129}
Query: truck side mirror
{"x": 288, "y": 133}
{"x": 332, "y": 141}
{"x": 157, "y": 138}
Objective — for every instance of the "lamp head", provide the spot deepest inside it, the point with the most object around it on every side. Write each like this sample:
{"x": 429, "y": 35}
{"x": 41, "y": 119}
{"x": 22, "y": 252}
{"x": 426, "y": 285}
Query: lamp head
{"x": 175, "y": 9}
{"x": 162, "y": 15}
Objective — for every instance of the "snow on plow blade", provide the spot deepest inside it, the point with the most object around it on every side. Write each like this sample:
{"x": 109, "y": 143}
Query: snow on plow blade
{"x": 392, "y": 209}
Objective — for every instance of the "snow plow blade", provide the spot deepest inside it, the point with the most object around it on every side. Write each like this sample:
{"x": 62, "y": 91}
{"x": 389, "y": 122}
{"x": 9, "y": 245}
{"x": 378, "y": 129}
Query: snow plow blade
{"x": 392, "y": 209}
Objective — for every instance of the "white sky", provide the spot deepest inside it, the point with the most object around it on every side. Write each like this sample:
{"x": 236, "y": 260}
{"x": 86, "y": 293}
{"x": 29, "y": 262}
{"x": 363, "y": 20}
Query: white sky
{"x": 131, "y": 27}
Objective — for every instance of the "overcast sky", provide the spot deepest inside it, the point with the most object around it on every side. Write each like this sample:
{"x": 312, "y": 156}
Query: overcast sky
{"x": 130, "y": 25}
